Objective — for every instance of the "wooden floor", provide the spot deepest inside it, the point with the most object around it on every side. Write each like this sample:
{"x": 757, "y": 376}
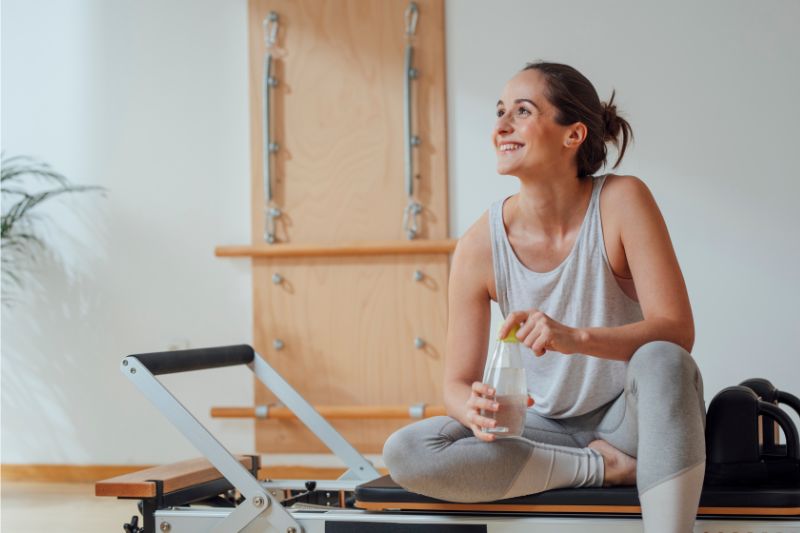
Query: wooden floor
{"x": 49, "y": 507}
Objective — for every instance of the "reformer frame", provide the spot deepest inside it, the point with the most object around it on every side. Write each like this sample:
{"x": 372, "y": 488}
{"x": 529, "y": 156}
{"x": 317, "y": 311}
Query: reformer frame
{"x": 258, "y": 508}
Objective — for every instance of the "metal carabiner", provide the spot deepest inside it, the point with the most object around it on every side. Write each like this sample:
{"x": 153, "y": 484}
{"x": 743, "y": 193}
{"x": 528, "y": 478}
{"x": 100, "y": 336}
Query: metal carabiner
{"x": 412, "y": 13}
{"x": 270, "y": 29}
{"x": 410, "y": 214}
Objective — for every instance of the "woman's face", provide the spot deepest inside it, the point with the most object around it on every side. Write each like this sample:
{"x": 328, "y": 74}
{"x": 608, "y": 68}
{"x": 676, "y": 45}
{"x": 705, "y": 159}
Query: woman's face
{"x": 525, "y": 137}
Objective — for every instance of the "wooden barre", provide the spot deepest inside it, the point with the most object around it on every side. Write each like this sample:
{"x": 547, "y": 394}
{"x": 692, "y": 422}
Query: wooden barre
{"x": 341, "y": 412}
{"x": 354, "y": 248}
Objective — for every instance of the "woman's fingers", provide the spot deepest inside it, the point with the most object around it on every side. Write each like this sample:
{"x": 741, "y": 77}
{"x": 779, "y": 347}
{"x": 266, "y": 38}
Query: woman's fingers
{"x": 514, "y": 318}
{"x": 541, "y": 340}
{"x": 486, "y": 437}
{"x": 481, "y": 398}
{"x": 482, "y": 388}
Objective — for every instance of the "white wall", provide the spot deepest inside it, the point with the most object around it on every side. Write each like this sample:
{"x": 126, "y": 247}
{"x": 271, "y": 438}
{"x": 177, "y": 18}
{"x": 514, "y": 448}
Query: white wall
{"x": 149, "y": 99}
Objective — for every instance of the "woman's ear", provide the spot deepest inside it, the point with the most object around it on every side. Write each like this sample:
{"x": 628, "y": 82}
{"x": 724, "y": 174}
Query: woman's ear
{"x": 576, "y": 134}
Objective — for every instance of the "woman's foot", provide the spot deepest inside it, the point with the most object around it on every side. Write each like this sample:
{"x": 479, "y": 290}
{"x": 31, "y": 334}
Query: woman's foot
{"x": 620, "y": 469}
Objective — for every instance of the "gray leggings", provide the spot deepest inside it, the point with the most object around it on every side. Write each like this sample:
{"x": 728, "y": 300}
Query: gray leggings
{"x": 659, "y": 418}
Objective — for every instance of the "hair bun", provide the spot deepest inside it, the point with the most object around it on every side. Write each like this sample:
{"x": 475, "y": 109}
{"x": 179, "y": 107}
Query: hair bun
{"x": 610, "y": 119}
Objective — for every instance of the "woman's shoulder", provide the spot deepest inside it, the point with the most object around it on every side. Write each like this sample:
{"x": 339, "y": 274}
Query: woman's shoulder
{"x": 472, "y": 260}
{"x": 621, "y": 186}
{"x": 622, "y": 192}
{"x": 476, "y": 241}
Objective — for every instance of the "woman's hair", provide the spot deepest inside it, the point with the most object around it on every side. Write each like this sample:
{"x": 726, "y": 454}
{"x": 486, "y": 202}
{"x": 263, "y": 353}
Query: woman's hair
{"x": 576, "y": 100}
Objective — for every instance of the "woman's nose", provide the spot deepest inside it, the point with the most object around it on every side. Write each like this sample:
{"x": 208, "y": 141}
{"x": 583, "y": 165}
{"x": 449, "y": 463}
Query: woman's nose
{"x": 503, "y": 125}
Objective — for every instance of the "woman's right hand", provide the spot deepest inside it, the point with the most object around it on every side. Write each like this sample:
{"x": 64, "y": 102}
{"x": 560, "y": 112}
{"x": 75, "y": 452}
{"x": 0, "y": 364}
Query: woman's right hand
{"x": 481, "y": 397}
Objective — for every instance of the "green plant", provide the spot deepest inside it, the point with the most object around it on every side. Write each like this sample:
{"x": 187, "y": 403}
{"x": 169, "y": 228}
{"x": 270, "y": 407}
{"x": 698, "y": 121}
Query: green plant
{"x": 26, "y": 183}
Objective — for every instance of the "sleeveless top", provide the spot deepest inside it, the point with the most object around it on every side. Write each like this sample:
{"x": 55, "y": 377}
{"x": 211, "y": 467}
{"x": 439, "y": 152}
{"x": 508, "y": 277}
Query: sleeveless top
{"x": 580, "y": 292}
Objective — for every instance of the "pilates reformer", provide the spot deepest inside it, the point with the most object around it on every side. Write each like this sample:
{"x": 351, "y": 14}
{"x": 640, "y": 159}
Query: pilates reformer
{"x": 194, "y": 497}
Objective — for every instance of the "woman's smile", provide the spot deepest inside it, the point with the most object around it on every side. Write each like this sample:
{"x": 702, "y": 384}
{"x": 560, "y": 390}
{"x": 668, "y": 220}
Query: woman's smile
{"x": 506, "y": 148}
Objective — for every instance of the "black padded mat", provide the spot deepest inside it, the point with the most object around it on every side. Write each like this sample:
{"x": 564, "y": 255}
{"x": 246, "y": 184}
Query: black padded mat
{"x": 384, "y": 489}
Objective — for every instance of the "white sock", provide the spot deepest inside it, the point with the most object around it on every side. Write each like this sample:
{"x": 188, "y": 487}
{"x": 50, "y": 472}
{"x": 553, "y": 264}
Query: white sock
{"x": 553, "y": 467}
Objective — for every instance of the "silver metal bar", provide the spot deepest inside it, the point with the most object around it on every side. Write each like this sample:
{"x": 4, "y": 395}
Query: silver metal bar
{"x": 413, "y": 209}
{"x": 257, "y": 501}
{"x": 407, "y": 120}
{"x": 348, "y": 485}
{"x": 193, "y": 520}
{"x": 269, "y": 147}
{"x": 359, "y": 467}
{"x": 266, "y": 129}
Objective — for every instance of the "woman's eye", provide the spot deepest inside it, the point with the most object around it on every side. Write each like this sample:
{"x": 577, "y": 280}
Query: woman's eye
{"x": 523, "y": 112}
{"x": 500, "y": 113}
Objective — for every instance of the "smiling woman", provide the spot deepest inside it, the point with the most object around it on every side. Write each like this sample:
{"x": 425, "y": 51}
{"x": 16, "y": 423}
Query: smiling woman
{"x": 583, "y": 265}
{"x": 567, "y": 98}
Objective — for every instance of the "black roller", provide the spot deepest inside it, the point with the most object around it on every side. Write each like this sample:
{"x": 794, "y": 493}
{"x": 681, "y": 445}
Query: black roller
{"x": 196, "y": 359}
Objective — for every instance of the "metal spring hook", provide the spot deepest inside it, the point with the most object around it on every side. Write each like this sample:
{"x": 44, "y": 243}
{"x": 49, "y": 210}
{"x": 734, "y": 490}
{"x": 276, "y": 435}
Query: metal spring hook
{"x": 410, "y": 214}
{"x": 412, "y": 13}
{"x": 270, "y": 29}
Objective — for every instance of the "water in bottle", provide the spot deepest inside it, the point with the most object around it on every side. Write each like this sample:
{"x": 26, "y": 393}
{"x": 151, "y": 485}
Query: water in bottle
{"x": 505, "y": 374}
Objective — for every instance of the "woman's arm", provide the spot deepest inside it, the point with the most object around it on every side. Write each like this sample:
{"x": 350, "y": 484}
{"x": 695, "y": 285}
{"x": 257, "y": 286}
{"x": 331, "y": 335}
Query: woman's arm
{"x": 659, "y": 282}
{"x": 660, "y": 287}
{"x": 468, "y": 319}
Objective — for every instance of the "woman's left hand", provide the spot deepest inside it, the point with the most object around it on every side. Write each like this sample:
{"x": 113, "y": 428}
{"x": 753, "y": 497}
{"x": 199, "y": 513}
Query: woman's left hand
{"x": 540, "y": 333}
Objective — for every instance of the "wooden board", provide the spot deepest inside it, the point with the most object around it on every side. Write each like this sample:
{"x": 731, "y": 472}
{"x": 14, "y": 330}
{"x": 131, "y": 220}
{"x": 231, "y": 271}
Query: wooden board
{"x": 175, "y": 476}
{"x": 337, "y": 114}
{"x": 349, "y": 326}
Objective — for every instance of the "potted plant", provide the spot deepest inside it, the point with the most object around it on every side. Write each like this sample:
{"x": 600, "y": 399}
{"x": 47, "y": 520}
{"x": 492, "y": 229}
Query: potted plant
{"x": 25, "y": 184}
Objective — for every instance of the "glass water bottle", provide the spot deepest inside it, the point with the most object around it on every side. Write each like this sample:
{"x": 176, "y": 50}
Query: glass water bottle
{"x": 505, "y": 374}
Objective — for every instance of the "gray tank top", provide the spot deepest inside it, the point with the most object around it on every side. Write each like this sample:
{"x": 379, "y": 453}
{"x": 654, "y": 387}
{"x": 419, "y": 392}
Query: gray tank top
{"x": 581, "y": 292}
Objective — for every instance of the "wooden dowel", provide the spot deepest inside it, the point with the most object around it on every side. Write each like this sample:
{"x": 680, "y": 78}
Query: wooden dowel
{"x": 355, "y": 248}
{"x": 339, "y": 412}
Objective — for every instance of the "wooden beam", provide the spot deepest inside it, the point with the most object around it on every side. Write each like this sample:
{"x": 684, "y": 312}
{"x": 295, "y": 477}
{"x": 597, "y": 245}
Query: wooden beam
{"x": 354, "y": 248}
{"x": 343, "y": 412}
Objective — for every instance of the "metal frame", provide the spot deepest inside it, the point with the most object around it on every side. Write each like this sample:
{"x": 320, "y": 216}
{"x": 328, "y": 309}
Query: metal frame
{"x": 185, "y": 520}
{"x": 259, "y": 502}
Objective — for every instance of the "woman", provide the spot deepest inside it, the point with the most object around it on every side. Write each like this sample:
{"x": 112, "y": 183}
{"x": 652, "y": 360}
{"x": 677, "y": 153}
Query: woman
{"x": 584, "y": 266}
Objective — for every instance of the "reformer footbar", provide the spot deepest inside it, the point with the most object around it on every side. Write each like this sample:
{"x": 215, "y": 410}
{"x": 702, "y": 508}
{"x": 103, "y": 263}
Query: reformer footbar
{"x": 362, "y": 500}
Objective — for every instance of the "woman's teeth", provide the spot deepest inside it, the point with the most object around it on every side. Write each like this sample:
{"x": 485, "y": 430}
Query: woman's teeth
{"x": 509, "y": 147}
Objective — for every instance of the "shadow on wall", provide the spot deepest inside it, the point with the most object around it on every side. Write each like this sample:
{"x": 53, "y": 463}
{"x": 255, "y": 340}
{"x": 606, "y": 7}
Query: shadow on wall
{"x": 58, "y": 295}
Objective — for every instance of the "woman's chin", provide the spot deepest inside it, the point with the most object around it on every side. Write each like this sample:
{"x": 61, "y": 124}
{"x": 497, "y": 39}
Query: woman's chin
{"x": 505, "y": 170}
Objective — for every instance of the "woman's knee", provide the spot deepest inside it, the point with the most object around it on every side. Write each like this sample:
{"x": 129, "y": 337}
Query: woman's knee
{"x": 664, "y": 363}
{"x": 409, "y": 452}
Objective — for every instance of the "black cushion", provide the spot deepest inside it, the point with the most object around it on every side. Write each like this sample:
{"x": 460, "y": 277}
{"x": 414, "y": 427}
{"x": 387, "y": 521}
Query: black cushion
{"x": 785, "y": 501}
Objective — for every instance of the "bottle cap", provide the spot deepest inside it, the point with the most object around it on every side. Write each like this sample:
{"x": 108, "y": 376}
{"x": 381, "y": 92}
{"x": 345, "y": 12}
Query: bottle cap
{"x": 512, "y": 335}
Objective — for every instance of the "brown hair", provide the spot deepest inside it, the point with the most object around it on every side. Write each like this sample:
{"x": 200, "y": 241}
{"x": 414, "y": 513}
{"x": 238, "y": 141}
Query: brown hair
{"x": 576, "y": 100}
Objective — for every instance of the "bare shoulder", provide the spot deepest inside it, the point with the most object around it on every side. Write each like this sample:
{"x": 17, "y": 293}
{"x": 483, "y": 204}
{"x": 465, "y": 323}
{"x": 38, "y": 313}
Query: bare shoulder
{"x": 472, "y": 259}
{"x": 620, "y": 190}
{"x": 476, "y": 241}
{"x": 626, "y": 198}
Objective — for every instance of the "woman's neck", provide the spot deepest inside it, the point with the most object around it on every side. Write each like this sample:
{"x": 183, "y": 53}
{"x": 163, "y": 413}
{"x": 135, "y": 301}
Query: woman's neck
{"x": 550, "y": 206}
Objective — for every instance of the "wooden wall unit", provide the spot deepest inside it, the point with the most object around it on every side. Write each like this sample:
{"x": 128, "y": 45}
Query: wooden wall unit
{"x": 348, "y": 307}
{"x": 338, "y": 117}
{"x": 348, "y": 326}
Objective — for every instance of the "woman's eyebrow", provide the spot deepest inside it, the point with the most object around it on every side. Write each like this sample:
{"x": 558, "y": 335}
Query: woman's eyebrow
{"x": 518, "y": 100}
